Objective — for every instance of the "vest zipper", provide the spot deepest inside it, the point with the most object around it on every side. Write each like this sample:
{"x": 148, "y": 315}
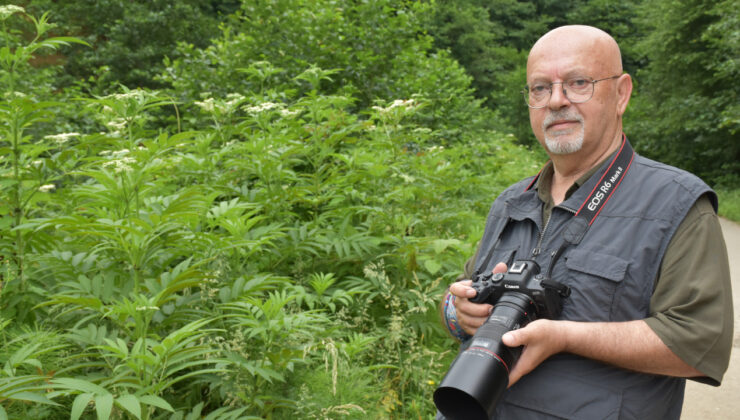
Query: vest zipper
{"x": 538, "y": 248}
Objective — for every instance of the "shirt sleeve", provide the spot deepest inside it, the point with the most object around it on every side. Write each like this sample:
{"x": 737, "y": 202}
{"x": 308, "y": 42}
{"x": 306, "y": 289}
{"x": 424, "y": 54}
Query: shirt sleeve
{"x": 691, "y": 307}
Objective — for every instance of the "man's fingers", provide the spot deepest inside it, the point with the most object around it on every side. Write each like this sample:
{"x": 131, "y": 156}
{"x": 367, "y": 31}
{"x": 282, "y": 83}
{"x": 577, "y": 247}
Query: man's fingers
{"x": 470, "y": 309}
{"x": 541, "y": 339}
{"x": 462, "y": 289}
{"x": 471, "y": 315}
{"x": 500, "y": 268}
{"x": 512, "y": 338}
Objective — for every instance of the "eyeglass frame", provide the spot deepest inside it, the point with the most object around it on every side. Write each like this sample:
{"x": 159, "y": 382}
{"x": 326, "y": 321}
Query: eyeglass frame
{"x": 525, "y": 91}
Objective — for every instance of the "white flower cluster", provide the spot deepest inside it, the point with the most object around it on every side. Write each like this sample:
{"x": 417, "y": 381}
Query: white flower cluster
{"x": 117, "y": 124}
{"x": 223, "y": 107}
{"x": 13, "y": 95}
{"x": 433, "y": 149}
{"x": 406, "y": 104}
{"x": 120, "y": 165}
{"x": 114, "y": 154}
{"x": 9, "y": 10}
{"x": 136, "y": 93}
{"x": 407, "y": 178}
{"x": 265, "y": 106}
{"x": 119, "y": 161}
{"x": 47, "y": 188}
{"x": 288, "y": 113}
{"x": 61, "y": 138}
{"x": 208, "y": 105}
{"x": 232, "y": 99}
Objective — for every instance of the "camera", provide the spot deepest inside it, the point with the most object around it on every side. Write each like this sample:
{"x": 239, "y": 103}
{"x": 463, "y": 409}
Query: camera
{"x": 479, "y": 375}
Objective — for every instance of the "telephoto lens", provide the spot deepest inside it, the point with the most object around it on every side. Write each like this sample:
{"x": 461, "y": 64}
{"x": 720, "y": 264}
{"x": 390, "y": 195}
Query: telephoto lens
{"x": 479, "y": 375}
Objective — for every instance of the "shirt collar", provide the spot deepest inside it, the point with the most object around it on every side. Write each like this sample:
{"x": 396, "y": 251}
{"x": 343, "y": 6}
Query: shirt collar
{"x": 545, "y": 181}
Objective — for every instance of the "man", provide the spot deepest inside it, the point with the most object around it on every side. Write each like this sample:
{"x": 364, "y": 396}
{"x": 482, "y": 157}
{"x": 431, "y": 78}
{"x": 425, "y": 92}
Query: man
{"x": 650, "y": 300}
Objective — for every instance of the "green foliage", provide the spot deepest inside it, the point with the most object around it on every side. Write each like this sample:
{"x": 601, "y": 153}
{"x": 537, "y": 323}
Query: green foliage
{"x": 687, "y": 105}
{"x": 23, "y": 172}
{"x": 729, "y": 204}
{"x": 370, "y": 51}
{"x": 130, "y": 38}
{"x": 268, "y": 239}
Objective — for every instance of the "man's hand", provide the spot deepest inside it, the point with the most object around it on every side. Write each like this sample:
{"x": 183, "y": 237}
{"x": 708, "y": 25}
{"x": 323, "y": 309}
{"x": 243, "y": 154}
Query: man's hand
{"x": 541, "y": 339}
{"x": 471, "y": 315}
{"x": 630, "y": 345}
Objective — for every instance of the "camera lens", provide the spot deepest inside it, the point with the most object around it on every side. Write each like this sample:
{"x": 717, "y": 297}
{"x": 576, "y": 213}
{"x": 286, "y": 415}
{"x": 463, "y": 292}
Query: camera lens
{"x": 480, "y": 374}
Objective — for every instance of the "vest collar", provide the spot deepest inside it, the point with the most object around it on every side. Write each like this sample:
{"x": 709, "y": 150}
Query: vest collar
{"x": 526, "y": 204}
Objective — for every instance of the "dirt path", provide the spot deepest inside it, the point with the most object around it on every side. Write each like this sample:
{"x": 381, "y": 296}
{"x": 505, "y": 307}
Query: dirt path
{"x": 704, "y": 402}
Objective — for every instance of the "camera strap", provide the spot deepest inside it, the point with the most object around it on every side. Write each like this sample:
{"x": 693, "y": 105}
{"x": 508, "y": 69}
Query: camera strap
{"x": 576, "y": 229}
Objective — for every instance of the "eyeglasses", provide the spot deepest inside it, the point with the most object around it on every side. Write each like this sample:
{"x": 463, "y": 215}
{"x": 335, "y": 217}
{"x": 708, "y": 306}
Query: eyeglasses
{"x": 577, "y": 89}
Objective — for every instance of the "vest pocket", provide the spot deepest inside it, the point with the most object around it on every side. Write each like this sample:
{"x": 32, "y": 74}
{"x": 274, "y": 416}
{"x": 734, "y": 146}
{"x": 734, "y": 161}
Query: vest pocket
{"x": 594, "y": 279}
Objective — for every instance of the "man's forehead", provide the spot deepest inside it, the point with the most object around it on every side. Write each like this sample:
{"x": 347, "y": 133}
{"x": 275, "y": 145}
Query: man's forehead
{"x": 574, "y": 48}
{"x": 564, "y": 73}
{"x": 563, "y": 65}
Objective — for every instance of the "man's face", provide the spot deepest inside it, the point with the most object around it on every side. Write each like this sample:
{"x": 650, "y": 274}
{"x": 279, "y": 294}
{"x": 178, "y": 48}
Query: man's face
{"x": 563, "y": 127}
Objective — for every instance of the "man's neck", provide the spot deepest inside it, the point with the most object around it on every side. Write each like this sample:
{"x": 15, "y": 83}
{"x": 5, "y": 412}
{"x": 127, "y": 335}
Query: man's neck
{"x": 569, "y": 168}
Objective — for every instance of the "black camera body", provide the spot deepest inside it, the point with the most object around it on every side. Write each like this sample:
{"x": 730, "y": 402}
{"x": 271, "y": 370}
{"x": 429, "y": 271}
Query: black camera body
{"x": 523, "y": 277}
{"x": 479, "y": 375}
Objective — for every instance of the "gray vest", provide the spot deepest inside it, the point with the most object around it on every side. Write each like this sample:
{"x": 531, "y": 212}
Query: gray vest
{"x": 611, "y": 274}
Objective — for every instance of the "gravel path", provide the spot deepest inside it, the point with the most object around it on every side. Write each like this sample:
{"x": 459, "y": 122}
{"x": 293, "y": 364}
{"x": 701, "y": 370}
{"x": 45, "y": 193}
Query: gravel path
{"x": 704, "y": 402}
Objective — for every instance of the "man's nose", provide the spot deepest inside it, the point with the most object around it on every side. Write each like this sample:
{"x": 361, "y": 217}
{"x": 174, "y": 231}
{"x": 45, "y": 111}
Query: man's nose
{"x": 558, "y": 98}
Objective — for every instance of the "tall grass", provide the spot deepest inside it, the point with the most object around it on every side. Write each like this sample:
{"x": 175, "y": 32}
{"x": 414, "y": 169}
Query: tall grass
{"x": 729, "y": 204}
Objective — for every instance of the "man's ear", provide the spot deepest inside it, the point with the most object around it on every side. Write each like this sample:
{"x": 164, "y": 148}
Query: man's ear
{"x": 624, "y": 92}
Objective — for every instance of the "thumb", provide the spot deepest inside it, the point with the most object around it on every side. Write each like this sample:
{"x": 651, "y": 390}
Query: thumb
{"x": 499, "y": 268}
{"x": 513, "y": 338}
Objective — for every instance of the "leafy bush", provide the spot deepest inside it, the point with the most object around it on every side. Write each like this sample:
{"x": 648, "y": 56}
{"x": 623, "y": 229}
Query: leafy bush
{"x": 129, "y": 39}
{"x": 687, "y": 104}
{"x": 265, "y": 246}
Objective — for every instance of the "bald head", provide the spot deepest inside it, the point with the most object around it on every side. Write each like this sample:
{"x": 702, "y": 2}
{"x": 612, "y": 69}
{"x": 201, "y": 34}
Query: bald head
{"x": 598, "y": 48}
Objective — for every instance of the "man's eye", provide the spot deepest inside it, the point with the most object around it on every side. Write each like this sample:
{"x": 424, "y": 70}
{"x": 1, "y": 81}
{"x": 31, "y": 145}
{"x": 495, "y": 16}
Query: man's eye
{"x": 538, "y": 89}
{"x": 578, "y": 83}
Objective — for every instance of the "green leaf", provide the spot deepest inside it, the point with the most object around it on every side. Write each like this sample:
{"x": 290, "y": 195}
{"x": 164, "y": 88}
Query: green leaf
{"x": 104, "y": 406}
{"x": 432, "y": 266}
{"x": 3, "y": 414}
{"x": 79, "y": 405}
{"x": 156, "y": 401}
{"x": 131, "y": 404}
{"x": 79, "y": 385}
{"x": 32, "y": 396}
{"x": 442, "y": 244}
